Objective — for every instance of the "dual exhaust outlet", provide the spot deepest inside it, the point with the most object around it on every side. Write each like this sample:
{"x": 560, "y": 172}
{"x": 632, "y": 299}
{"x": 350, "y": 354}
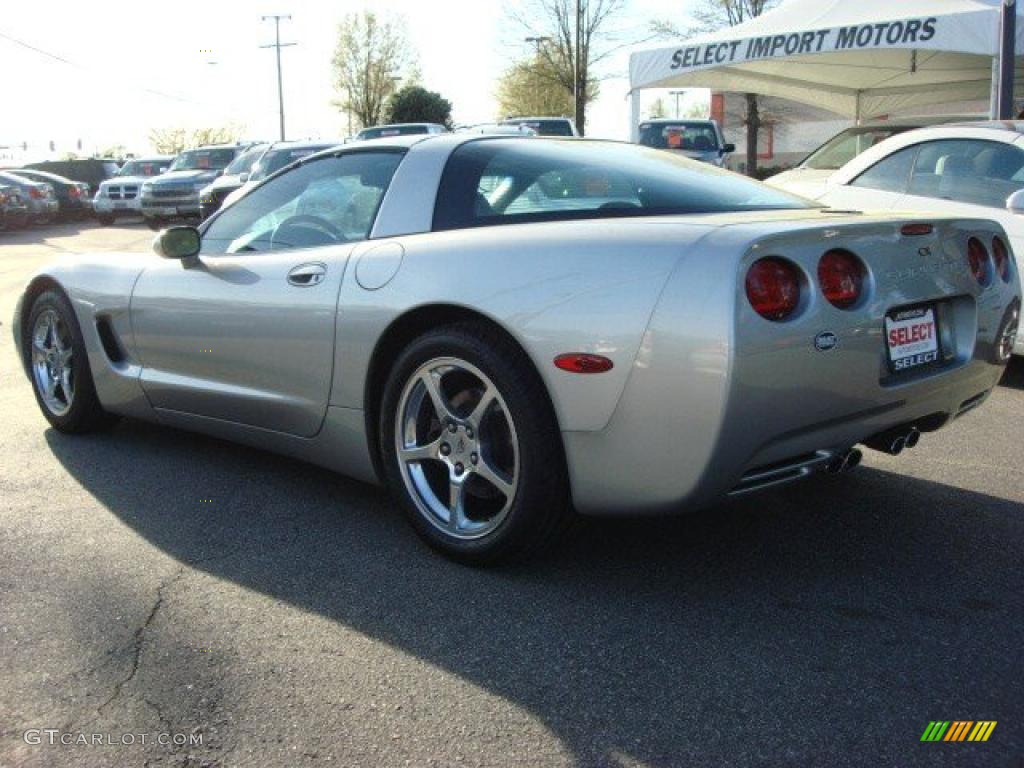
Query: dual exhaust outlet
{"x": 893, "y": 442}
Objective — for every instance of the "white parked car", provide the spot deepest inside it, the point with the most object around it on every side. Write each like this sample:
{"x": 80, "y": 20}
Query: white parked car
{"x": 964, "y": 169}
{"x": 119, "y": 195}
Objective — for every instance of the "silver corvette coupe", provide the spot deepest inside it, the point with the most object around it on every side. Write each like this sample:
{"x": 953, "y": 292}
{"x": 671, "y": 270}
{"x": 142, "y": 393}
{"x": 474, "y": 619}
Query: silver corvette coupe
{"x": 504, "y": 330}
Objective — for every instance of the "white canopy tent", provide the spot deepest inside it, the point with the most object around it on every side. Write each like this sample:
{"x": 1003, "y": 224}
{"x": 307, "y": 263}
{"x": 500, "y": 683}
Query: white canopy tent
{"x": 854, "y": 57}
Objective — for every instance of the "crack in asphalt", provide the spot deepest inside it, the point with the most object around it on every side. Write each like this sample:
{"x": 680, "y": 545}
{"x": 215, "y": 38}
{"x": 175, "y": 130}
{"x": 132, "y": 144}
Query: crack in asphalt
{"x": 140, "y": 637}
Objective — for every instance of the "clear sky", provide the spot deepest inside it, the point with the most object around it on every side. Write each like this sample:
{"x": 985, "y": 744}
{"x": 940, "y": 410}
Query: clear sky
{"x": 138, "y": 65}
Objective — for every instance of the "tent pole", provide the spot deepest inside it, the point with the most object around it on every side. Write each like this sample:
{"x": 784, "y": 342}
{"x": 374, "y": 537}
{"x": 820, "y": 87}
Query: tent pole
{"x": 856, "y": 114}
{"x": 1007, "y": 57}
{"x": 634, "y": 116}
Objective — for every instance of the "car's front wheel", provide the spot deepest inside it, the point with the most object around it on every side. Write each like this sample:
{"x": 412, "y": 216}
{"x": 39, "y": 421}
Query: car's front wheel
{"x": 106, "y": 219}
{"x": 61, "y": 378}
{"x": 471, "y": 447}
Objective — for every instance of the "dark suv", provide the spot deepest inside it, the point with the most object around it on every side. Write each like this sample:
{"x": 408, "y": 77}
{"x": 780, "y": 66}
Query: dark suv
{"x": 175, "y": 194}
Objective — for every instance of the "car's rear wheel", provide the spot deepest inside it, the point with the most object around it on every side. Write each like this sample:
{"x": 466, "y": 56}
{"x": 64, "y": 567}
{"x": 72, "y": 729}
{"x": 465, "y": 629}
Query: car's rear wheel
{"x": 105, "y": 219}
{"x": 471, "y": 447}
{"x": 61, "y": 378}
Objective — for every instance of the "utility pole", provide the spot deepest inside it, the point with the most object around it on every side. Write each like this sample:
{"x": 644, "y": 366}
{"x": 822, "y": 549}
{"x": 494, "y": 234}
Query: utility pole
{"x": 677, "y": 94}
{"x": 579, "y": 87}
{"x": 278, "y": 45}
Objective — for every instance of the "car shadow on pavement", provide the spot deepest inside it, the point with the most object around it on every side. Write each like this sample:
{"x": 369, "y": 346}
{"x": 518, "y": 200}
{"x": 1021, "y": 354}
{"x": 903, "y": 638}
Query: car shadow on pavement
{"x": 1014, "y": 376}
{"x": 825, "y": 623}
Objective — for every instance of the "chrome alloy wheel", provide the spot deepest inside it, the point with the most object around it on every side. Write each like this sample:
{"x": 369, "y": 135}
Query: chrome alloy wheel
{"x": 1009, "y": 336}
{"x": 52, "y": 367}
{"x": 457, "y": 448}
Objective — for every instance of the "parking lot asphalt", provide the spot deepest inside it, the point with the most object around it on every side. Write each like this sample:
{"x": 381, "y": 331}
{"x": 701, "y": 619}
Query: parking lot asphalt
{"x": 153, "y": 581}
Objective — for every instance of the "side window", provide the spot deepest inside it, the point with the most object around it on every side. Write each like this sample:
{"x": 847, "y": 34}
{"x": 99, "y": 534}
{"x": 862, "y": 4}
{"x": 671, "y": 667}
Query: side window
{"x": 890, "y": 174}
{"x": 326, "y": 201}
{"x": 968, "y": 171}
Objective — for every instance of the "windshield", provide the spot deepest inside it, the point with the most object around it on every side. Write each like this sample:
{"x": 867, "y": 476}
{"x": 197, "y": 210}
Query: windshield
{"x": 391, "y": 130}
{"x": 276, "y": 159}
{"x": 245, "y": 161}
{"x": 843, "y": 147}
{"x": 545, "y": 127}
{"x": 143, "y": 168}
{"x": 692, "y": 137}
{"x": 506, "y": 181}
{"x": 203, "y": 160}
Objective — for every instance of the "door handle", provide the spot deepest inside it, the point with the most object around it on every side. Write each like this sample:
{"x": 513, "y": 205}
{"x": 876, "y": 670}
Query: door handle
{"x": 307, "y": 275}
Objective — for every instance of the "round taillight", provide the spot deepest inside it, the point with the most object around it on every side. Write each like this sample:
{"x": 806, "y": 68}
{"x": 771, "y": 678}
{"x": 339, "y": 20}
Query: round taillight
{"x": 773, "y": 288}
{"x": 841, "y": 276}
{"x": 977, "y": 256}
{"x": 1001, "y": 256}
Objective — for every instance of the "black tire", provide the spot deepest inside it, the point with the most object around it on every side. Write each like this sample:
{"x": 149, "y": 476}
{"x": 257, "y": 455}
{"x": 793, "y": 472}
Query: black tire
{"x": 85, "y": 413}
{"x": 105, "y": 219}
{"x": 155, "y": 224}
{"x": 540, "y": 509}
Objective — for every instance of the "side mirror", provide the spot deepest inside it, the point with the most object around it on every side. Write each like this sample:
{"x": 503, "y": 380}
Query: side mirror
{"x": 177, "y": 243}
{"x": 728, "y": 149}
{"x": 243, "y": 177}
{"x": 1015, "y": 202}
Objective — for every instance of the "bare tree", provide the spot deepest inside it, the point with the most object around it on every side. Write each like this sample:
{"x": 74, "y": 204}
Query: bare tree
{"x": 577, "y": 36}
{"x": 371, "y": 56}
{"x": 715, "y": 14}
{"x": 171, "y": 141}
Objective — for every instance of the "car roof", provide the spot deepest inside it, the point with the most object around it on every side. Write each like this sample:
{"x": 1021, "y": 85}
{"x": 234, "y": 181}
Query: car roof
{"x": 304, "y": 144}
{"x": 542, "y": 117}
{"x": 676, "y": 120}
{"x": 1016, "y": 126}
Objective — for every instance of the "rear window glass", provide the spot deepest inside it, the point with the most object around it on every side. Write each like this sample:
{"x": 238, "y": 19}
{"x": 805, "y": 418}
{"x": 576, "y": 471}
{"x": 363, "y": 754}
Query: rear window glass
{"x": 545, "y": 127}
{"x": 693, "y": 137}
{"x": 392, "y": 130}
{"x": 504, "y": 181}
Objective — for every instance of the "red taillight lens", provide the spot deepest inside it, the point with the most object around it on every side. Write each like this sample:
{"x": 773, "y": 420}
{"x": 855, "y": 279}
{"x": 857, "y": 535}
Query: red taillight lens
{"x": 74, "y": 192}
{"x": 579, "y": 362}
{"x": 977, "y": 256}
{"x": 773, "y": 288}
{"x": 35, "y": 192}
{"x": 1001, "y": 255}
{"x": 841, "y": 276}
{"x": 915, "y": 230}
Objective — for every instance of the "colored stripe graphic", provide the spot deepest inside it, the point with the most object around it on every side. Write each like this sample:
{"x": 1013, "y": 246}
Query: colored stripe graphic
{"x": 935, "y": 730}
{"x": 958, "y": 730}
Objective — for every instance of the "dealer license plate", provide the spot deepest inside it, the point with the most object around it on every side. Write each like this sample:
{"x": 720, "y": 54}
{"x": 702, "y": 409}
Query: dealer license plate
{"x": 120, "y": 205}
{"x": 911, "y": 338}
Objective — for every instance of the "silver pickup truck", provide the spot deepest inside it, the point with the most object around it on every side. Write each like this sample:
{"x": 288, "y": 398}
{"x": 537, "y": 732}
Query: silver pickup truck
{"x": 175, "y": 194}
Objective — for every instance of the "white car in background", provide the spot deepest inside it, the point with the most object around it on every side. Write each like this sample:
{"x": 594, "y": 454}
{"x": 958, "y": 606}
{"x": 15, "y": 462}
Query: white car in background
{"x": 964, "y": 169}
{"x": 119, "y": 195}
{"x": 811, "y": 175}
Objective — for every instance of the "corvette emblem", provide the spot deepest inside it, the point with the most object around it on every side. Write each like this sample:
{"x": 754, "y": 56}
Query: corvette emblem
{"x": 825, "y": 341}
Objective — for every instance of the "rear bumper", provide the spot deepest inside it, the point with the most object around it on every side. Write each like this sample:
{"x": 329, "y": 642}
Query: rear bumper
{"x": 656, "y": 459}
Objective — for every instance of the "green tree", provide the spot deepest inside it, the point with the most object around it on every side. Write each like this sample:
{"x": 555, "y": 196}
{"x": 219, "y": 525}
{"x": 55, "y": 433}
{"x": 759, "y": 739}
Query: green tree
{"x": 371, "y": 56}
{"x": 415, "y": 104}
{"x": 532, "y": 87}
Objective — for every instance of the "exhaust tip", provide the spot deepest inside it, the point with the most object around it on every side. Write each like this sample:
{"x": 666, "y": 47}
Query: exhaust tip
{"x": 913, "y": 438}
{"x": 853, "y": 458}
{"x": 897, "y": 446}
